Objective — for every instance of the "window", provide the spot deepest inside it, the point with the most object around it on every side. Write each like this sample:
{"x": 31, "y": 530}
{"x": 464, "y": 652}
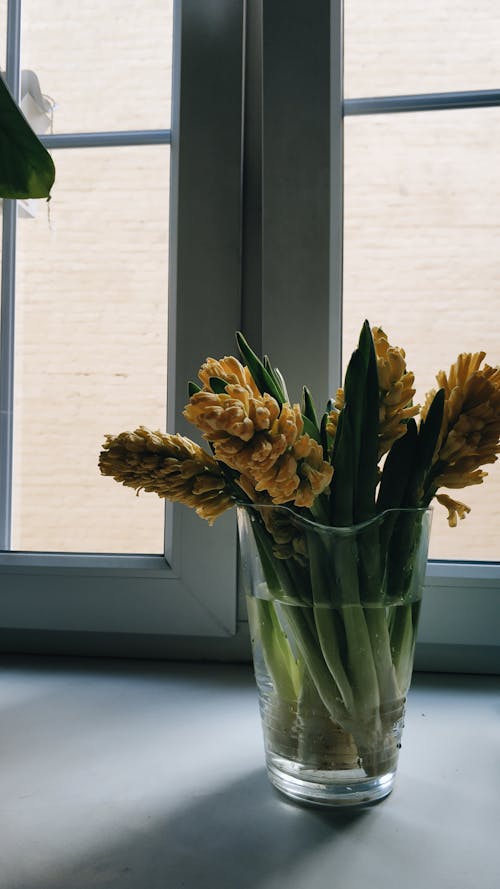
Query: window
{"x": 279, "y": 225}
{"x": 89, "y": 342}
{"x": 337, "y": 188}
{"x": 421, "y": 231}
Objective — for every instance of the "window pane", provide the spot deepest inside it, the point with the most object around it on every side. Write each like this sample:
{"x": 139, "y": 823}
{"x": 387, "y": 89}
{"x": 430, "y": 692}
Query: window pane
{"x": 91, "y": 334}
{"x": 106, "y": 66}
{"x": 422, "y": 259}
{"x": 431, "y": 46}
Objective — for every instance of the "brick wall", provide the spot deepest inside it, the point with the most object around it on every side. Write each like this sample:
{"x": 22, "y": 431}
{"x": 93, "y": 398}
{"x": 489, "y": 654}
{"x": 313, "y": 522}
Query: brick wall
{"x": 421, "y": 254}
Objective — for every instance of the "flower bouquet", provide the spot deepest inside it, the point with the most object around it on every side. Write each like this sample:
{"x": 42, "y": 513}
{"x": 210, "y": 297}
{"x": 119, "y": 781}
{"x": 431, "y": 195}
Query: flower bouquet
{"x": 334, "y": 521}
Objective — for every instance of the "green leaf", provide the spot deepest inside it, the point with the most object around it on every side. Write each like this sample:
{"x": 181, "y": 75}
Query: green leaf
{"x": 338, "y": 438}
{"x": 26, "y": 167}
{"x": 263, "y": 379}
{"x": 429, "y": 431}
{"x": 311, "y": 429}
{"x": 277, "y": 377}
{"x": 308, "y": 408}
{"x": 341, "y": 497}
{"x": 326, "y": 439}
{"x": 398, "y": 469}
{"x": 368, "y": 442}
{"x": 217, "y": 385}
{"x": 193, "y": 388}
{"x": 419, "y": 490}
{"x": 361, "y": 394}
{"x": 282, "y": 384}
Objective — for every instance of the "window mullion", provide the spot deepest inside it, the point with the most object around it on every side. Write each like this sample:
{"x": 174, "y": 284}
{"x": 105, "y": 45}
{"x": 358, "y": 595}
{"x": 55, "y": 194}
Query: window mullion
{"x": 13, "y": 53}
{"x": 7, "y": 316}
{"x": 118, "y": 138}
{"x": 450, "y": 101}
{"x": 301, "y": 168}
{"x": 7, "y": 369}
{"x": 337, "y": 191}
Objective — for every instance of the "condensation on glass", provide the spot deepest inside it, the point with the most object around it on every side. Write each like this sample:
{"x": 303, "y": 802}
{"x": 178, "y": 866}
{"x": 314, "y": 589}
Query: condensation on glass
{"x": 91, "y": 345}
{"x": 421, "y": 259}
{"x": 430, "y": 46}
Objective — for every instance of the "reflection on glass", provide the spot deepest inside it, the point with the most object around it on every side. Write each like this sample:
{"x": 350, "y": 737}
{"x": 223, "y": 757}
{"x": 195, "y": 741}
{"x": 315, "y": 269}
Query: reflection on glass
{"x": 91, "y": 335}
{"x": 422, "y": 259}
{"x": 430, "y": 46}
{"x": 106, "y": 66}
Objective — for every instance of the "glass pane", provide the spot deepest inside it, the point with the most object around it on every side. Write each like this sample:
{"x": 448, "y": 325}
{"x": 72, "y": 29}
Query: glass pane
{"x": 101, "y": 66}
{"x": 422, "y": 259}
{"x": 431, "y": 46}
{"x": 91, "y": 338}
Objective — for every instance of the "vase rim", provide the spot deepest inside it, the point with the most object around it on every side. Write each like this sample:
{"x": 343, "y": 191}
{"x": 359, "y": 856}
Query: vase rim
{"x": 339, "y": 529}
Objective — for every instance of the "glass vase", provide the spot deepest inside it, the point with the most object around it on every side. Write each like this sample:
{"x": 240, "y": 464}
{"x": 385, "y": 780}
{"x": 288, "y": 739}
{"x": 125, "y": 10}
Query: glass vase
{"x": 333, "y": 616}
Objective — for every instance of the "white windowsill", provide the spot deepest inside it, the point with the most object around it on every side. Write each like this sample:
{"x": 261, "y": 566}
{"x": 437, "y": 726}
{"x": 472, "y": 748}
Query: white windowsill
{"x": 146, "y": 774}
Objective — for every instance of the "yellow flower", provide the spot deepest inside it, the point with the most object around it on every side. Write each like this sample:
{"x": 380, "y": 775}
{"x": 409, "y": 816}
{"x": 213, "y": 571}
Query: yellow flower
{"x": 231, "y": 371}
{"x": 171, "y": 466}
{"x": 251, "y": 434}
{"x": 470, "y": 433}
{"x": 288, "y": 540}
{"x": 396, "y": 391}
{"x": 239, "y": 412}
{"x": 257, "y": 455}
{"x": 333, "y": 416}
{"x": 314, "y": 473}
{"x": 456, "y": 510}
{"x": 395, "y": 398}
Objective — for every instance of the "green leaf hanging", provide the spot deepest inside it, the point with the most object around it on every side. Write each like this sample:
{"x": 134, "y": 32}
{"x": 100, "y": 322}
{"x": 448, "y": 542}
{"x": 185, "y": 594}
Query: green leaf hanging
{"x": 26, "y": 168}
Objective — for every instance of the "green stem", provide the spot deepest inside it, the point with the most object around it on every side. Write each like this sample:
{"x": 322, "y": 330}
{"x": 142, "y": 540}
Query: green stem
{"x": 330, "y": 631}
{"x": 310, "y": 651}
{"x": 389, "y": 689}
{"x": 328, "y": 622}
{"x": 322, "y": 743}
{"x": 360, "y": 662}
{"x": 403, "y": 636}
{"x": 278, "y": 658}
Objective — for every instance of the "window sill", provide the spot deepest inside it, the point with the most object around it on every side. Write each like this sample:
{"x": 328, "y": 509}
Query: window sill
{"x": 144, "y": 773}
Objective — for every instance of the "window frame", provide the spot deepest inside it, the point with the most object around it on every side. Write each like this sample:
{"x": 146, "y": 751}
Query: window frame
{"x": 461, "y": 605}
{"x": 258, "y": 260}
{"x": 186, "y": 591}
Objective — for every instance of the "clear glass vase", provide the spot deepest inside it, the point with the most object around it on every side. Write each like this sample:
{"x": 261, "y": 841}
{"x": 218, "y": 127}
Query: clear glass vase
{"x": 333, "y": 616}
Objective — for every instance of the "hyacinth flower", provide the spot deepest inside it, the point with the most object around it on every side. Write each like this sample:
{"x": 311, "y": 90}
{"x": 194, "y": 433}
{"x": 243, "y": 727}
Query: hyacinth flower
{"x": 171, "y": 466}
{"x": 259, "y": 436}
{"x": 369, "y": 456}
{"x": 470, "y": 433}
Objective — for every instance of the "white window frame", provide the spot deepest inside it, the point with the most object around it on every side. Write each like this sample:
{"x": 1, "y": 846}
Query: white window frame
{"x": 276, "y": 245}
{"x": 186, "y": 591}
{"x": 301, "y": 276}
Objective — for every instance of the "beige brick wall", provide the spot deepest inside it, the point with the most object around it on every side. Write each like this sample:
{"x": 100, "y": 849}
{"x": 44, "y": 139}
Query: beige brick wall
{"x": 422, "y": 214}
{"x": 421, "y": 255}
{"x": 91, "y": 321}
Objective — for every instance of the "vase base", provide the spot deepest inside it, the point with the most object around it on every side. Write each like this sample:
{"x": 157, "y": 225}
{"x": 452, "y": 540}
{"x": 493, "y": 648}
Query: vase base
{"x": 326, "y": 788}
